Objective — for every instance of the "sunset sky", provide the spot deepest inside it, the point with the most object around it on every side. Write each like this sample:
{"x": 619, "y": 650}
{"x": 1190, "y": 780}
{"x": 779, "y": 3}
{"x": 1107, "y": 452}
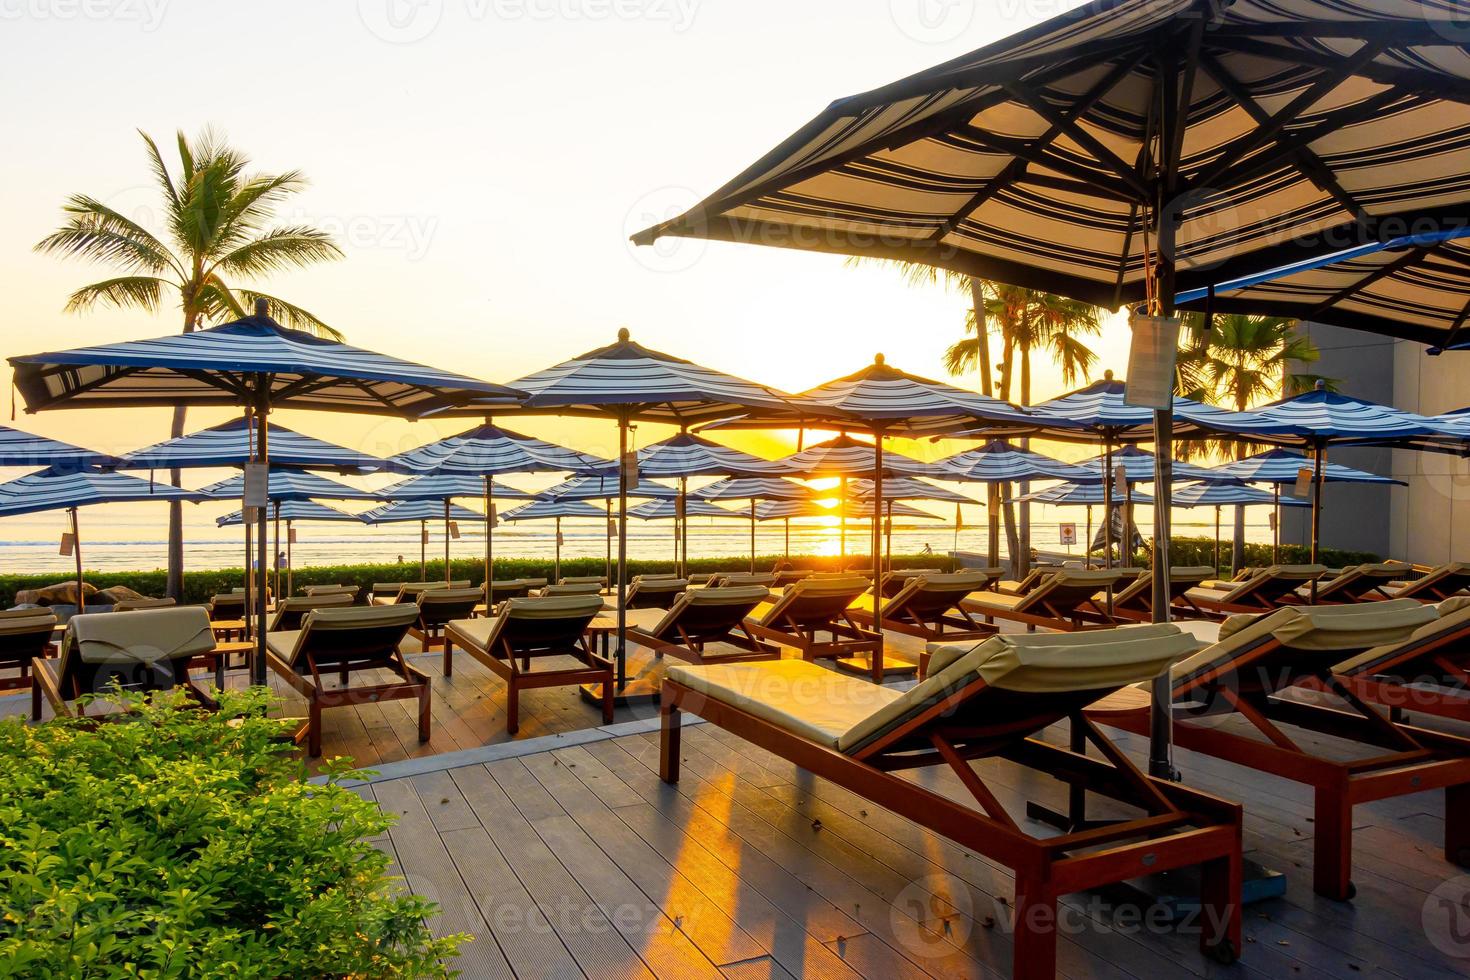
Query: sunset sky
{"x": 482, "y": 162}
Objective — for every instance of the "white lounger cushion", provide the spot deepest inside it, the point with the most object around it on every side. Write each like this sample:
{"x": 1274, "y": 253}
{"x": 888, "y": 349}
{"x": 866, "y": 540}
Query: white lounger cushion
{"x": 1454, "y": 614}
{"x": 146, "y": 636}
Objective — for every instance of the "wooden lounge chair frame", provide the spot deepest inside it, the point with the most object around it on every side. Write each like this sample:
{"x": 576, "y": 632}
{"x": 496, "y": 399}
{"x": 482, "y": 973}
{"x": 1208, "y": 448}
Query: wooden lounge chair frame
{"x": 654, "y": 592}
{"x": 1437, "y": 584}
{"x": 292, "y": 610}
{"x": 798, "y": 618}
{"x": 1183, "y": 827}
{"x": 1429, "y": 672}
{"x": 915, "y": 610}
{"x": 1414, "y": 759}
{"x": 437, "y": 609}
{"x": 1134, "y": 602}
{"x": 1265, "y": 591}
{"x": 22, "y": 645}
{"x": 62, "y": 680}
{"x": 328, "y": 645}
{"x": 1063, "y": 601}
{"x": 694, "y": 621}
{"x": 1357, "y": 583}
{"x": 513, "y": 642}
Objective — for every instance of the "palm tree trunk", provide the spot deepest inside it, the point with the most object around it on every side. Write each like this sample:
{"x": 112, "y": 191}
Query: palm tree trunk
{"x": 1237, "y": 542}
{"x": 1025, "y": 517}
{"x": 987, "y": 388}
{"x": 174, "y": 585}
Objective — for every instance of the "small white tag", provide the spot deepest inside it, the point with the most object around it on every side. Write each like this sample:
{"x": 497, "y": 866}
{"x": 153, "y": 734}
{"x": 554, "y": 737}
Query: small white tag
{"x": 559, "y": 539}
{"x": 424, "y": 535}
{"x": 68, "y": 542}
{"x": 1303, "y": 486}
{"x": 679, "y": 507}
{"x": 1271, "y": 517}
{"x": 1151, "y": 362}
{"x": 257, "y": 485}
{"x": 630, "y": 469}
{"x": 1120, "y": 481}
{"x": 454, "y": 530}
{"x": 492, "y": 516}
{"x": 291, "y": 535}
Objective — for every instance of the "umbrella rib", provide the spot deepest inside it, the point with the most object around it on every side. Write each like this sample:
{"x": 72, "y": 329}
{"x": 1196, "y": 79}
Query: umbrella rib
{"x": 371, "y": 392}
{"x": 1383, "y": 271}
{"x": 1435, "y": 84}
{"x": 1305, "y": 156}
{"x": 1038, "y": 155}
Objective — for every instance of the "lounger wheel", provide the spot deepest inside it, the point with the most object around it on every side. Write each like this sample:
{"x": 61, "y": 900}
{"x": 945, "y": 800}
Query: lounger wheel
{"x": 1351, "y": 893}
{"x": 1223, "y": 952}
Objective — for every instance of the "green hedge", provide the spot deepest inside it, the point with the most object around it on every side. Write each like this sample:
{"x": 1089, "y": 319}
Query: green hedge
{"x": 189, "y": 844}
{"x": 200, "y": 586}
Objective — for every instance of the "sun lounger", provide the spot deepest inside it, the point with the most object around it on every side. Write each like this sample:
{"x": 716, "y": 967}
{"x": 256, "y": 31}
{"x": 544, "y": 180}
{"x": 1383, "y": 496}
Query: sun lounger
{"x": 1064, "y": 600}
{"x": 1264, "y": 591}
{"x": 347, "y": 641}
{"x": 928, "y": 607}
{"x": 393, "y": 593}
{"x": 25, "y": 636}
{"x": 799, "y": 617}
{"x": 583, "y": 580}
{"x": 1356, "y": 583}
{"x": 1428, "y": 672}
{"x": 1134, "y": 602}
{"x": 787, "y": 576}
{"x": 316, "y": 590}
{"x": 525, "y": 629}
{"x": 700, "y": 617}
{"x": 1229, "y": 702}
{"x": 571, "y": 588}
{"x": 440, "y": 607}
{"x": 291, "y": 610}
{"x": 982, "y": 701}
{"x": 893, "y": 581}
{"x": 227, "y": 605}
{"x": 655, "y": 591}
{"x": 133, "y": 605}
{"x": 765, "y": 580}
{"x": 144, "y": 651}
{"x": 514, "y": 588}
{"x": 1436, "y": 584}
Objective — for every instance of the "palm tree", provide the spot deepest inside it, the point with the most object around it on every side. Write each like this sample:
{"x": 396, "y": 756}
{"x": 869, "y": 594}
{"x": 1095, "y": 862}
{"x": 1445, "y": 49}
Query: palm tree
{"x": 1242, "y": 361}
{"x": 217, "y": 229}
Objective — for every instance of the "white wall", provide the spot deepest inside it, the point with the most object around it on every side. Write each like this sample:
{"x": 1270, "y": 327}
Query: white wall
{"x": 1430, "y": 519}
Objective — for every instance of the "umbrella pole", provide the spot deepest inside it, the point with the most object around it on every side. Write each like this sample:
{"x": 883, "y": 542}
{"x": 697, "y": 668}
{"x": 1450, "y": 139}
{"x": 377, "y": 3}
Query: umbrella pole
{"x": 262, "y": 412}
{"x": 787, "y": 553}
{"x": 1087, "y": 548}
{"x": 607, "y": 536}
{"x": 1161, "y": 727}
{"x": 423, "y": 551}
{"x": 888, "y": 539}
{"x": 489, "y": 551}
{"x": 290, "y": 571}
{"x": 556, "y": 569}
{"x": 276, "y": 548}
{"x": 683, "y": 527}
{"x": 1276, "y": 531}
{"x": 447, "y": 577}
{"x": 76, "y": 550}
{"x": 1317, "y": 462}
{"x": 992, "y": 519}
{"x": 842, "y": 522}
{"x": 249, "y": 586}
{"x": 878, "y": 602}
{"x": 1107, "y": 506}
{"x": 1217, "y": 540}
{"x": 752, "y": 535}
{"x": 622, "y": 654}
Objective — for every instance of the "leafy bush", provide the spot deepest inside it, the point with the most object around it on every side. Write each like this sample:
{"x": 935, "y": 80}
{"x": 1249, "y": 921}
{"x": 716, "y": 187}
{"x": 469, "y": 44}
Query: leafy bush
{"x": 188, "y": 844}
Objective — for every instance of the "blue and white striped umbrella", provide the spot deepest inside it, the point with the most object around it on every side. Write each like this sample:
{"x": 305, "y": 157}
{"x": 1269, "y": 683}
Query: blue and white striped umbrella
{"x": 544, "y": 510}
{"x": 1079, "y": 495}
{"x": 663, "y": 510}
{"x": 755, "y": 488}
{"x": 403, "y": 511}
{"x": 24, "y": 449}
{"x": 1282, "y": 466}
{"x": 606, "y": 488}
{"x": 845, "y": 456}
{"x": 1138, "y": 467}
{"x": 230, "y": 444}
{"x": 856, "y": 510}
{"x": 225, "y": 365}
{"x": 1001, "y": 462}
{"x": 686, "y": 455}
{"x": 626, "y": 378}
{"x": 489, "y": 450}
{"x": 1102, "y": 410}
{"x": 297, "y": 510}
{"x": 906, "y": 488}
{"x": 291, "y": 485}
{"x": 62, "y": 489}
{"x": 1323, "y": 418}
{"x": 1227, "y": 495}
{"x": 448, "y": 487}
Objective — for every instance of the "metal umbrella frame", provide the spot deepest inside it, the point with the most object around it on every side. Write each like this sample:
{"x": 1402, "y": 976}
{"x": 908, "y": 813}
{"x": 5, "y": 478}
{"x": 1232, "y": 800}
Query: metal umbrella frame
{"x": 69, "y": 489}
{"x": 292, "y": 511}
{"x": 257, "y": 365}
{"x": 422, "y": 511}
{"x": 542, "y": 509}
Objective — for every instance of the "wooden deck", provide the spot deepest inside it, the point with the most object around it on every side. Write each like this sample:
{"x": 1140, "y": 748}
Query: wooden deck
{"x": 580, "y": 862}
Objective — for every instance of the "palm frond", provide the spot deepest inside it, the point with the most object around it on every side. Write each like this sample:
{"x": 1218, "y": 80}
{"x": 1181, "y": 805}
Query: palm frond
{"x": 282, "y": 248}
{"x": 160, "y": 169}
{"x": 290, "y": 315}
{"x": 96, "y": 232}
{"x": 124, "y": 292}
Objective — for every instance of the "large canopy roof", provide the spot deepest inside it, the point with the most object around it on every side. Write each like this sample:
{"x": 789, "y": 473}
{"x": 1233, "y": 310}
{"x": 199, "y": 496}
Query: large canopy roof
{"x": 229, "y": 364}
{"x": 1038, "y": 160}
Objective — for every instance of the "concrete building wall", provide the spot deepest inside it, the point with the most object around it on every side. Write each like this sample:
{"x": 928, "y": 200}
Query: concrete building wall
{"x": 1430, "y": 519}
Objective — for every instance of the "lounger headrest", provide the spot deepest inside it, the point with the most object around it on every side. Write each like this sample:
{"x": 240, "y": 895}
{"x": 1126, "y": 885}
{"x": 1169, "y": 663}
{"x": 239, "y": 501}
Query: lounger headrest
{"x": 746, "y": 578}
{"x": 133, "y": 605}
{"x": 1192, "y": 573}
{"x": 388, "y": 588}
{"x": 146, "y": 636}
{"x": 402, "y": 614}
{"x": 660, "y": 583}
{"x": 1078, "y": 576}
{"x": 297, "y": 603}
{"x": 953, "y": 582}
{"x": 1452, "y": 605}
{"x": 448, "y": 597}
{"x": 1302, "y": 572}
{"x": 314, "y": 590}
{"x": 818, "y": 585}
{"x": 1061, "y": 662}
{"x": 1353, "y": 627}
{"x": 552, "y": 607}
{"x": 584, "y": 580}
{"x": 727, "y": 595}
{"x": 572, "y": 588}
{"x": 33, "y": 620}
{"x": 1454, "y": 614}
{"x": 1386, "y": 569}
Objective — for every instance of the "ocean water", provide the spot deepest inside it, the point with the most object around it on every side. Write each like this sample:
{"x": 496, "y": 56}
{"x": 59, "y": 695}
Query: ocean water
{"x": 128, "y": 543}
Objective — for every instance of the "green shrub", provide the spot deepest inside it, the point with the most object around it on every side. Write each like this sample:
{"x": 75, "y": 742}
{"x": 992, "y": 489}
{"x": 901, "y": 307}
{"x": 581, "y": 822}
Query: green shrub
{"x": 188, "y": 844}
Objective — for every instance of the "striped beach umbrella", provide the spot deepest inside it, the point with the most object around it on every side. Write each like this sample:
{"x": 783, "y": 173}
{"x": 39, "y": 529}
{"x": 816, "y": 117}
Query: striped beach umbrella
{"x": 284, "y": 485}
{"x": 752, "y": 490}
{"x": 680, "y": 510}
{"x": 1126, "y": 151}
{"x": 627, "y": 382}
{"x": 906, "y": 488}
{"x": 845, "y": 457}
{"x": 257, "y": 365}
{"x": 67, "y": 489}
{"x": 445, "y": 488}
{"x": 608, "y": 489}
{"x": 483, "y": 453}
{"x": 1001, "y": 462}
{"x": 24, "y": 449}
{"x": 292, "y": 511}
{"x": 422, "y": 511}
{"x": 1138, "y": 467}
{"x": 543, "y": 509}
{"x": 232, "y": 443}
{"x": 1220, "y": 495}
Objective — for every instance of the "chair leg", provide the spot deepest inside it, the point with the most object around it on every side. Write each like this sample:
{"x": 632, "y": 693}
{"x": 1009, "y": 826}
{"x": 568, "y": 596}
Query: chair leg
{"x": 424, "y": 695}
{"x": 1220, "y": 908}
{"x": 877, "y": 661}
{"x": 1457, "y": 824}
{"x": 314, "y": 728}
{"x": 512, "y": 708}
{"x": 448, "y": 657}
{"x": 1034, "y": 932}
{"x": 668, "y": 742}
{"x": 1333, "y": 847}
{"x": 35, "y": 698}
{"x": 607, "y": 698}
